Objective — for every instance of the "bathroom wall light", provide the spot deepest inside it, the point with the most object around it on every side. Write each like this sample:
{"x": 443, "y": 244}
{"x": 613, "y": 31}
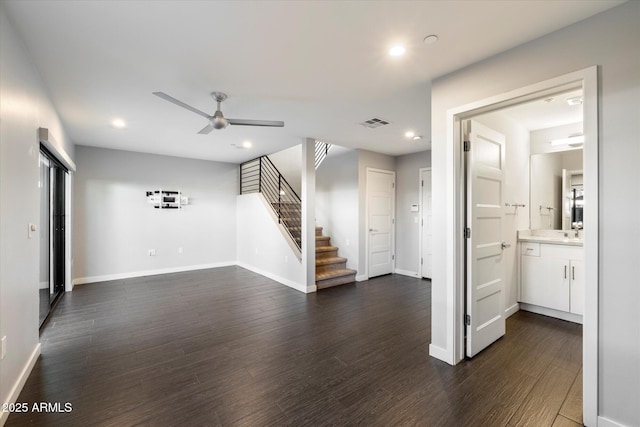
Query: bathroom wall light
{"x": 576, "y": 100}
{"x": 572, "y": 140}
{"x": 409, "y": 134}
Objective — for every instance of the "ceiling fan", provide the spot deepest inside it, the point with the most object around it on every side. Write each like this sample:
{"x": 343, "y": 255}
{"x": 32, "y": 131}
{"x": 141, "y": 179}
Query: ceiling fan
{"x": 218, "y": 121}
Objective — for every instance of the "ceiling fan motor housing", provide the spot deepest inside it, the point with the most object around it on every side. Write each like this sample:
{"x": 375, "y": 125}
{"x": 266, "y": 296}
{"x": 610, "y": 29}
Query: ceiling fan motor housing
{"x": 218, "y": 121}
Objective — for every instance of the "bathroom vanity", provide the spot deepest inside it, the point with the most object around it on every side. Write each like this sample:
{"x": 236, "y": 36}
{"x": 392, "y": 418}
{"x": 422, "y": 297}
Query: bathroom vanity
{"x": 552, "y": 273}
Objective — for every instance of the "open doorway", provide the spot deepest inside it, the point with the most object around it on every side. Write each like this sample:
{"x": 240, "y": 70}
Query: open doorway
{"x": 524, "y": 215}
{"x": 456, "y": 226}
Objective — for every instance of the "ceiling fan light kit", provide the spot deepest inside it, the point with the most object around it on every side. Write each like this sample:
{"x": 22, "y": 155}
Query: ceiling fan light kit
{"x": 217, "y": 120}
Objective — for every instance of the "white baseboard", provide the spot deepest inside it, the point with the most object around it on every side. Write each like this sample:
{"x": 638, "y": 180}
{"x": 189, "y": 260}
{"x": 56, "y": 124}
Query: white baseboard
{"x": 130, "y": 275}
{"x": 43, "y": 285}
{"x": 562, "y": 315}
{"x": 407, "y": 273}
{"x": 440, "y": 353}
{"x": 19, "y": 384}
{"x": 361, "y": 278}
{"x": 606, "y": 422}
{"x": 511, "y": 310}
{"x": 290, "y": 283}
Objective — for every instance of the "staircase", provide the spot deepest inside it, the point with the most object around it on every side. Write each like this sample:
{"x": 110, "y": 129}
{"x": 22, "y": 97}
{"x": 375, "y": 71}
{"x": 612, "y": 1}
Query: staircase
{"x": 331, "y": 270}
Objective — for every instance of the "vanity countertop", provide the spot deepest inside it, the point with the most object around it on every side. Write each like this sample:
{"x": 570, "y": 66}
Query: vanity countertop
{"x": 553, "y": 237}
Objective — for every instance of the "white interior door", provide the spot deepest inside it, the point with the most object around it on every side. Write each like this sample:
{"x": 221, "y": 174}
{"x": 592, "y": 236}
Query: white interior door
{"x": 425, "y": 223}
{"x": 380, "y": 221}
{"x": 484, "y": 261}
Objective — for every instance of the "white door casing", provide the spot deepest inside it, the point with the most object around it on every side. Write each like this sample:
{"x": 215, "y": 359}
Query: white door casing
{"x": 425, "y": 223}
{"x": 485, "y": 216}
{"x": 448, "y": 176}
{"x": 380, "y": 221}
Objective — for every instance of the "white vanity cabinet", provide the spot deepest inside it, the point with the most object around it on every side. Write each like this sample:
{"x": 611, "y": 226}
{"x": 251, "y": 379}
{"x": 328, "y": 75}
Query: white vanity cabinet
{"x": 551, "y": 276}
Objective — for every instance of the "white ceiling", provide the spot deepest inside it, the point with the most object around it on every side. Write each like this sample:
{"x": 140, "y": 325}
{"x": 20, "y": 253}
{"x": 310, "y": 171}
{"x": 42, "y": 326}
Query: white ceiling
{"x": 552, "y": 111}
{"x": 321, "y": 66}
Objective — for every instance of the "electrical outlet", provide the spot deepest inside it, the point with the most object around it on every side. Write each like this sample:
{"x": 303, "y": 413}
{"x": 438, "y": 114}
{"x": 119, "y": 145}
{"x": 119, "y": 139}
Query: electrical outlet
{"x": 4, "y": 347}
{"x": 152, "y": 252}
{"x": 180, "y": 250}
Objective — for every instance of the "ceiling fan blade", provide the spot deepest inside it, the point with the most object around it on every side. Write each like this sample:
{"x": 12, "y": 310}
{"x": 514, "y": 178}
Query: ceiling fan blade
{"x": 181, "y": 104}
{"x": 205, "y": 130}
{"x": 270, "y": 123}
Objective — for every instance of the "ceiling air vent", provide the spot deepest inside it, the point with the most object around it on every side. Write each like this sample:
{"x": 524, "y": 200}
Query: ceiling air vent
{"x": 374, "y": 123}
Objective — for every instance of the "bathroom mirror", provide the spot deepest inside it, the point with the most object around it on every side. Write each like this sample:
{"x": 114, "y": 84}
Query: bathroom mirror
{"x": 556, "y": 203}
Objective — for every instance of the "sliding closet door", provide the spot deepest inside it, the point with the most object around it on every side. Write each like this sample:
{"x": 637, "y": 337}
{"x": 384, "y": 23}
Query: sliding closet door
{"x": 58, "y": 238}
{"x": 45, "y": 236}
{"x": 53, "y": 178}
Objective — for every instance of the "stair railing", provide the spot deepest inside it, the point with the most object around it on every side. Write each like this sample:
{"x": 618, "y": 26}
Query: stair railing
{"x": 322, "y": 149}
{"x": 260, "y": 175}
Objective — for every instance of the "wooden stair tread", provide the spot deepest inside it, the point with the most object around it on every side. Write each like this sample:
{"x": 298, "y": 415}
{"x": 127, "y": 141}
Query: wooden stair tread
{"x": 323, "y": 237}
{"x": 330, "y": 260}
{"x": 326, "y": 248}
{"x": 334, "y": 274}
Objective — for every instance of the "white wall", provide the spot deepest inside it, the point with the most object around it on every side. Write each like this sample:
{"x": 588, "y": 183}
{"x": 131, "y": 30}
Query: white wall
{"x": 367, "y": 159}
{"x": 407, "y": 222}
{"x": 609, "y": 40}
{"x": 24, "y": 106}
{"x": 337, "y": 202}
{"x": 516, "y": 190}
{"x": 262, "y": 248}
{"x": 115, "y": 226}
{"x": 289, "y": 163}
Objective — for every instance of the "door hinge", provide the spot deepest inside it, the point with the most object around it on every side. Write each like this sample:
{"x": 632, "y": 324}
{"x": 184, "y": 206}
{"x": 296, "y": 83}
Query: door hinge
{"x": 393, "y": 257}
{"x": 393, "y": 221}
{"x": 393, "y": 185}
{"x": 422, "y": 222}
{"x": 467, "y": 320}
{"x": 422, "y": 182}
{"x": 467, "y": 145}
{"x": 421, "y": 261}
{"x": 467, "y": 233}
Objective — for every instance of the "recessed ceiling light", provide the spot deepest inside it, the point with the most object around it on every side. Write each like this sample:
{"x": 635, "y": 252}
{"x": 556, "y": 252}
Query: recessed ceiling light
{"x": 430, "y": 39}
{"x": 409, "y": 134}
{"x": 397, "y": 50}
{"x": 118, "y": 123}
{"x": 247, "y": 144}
{"x": 417, "y": 137}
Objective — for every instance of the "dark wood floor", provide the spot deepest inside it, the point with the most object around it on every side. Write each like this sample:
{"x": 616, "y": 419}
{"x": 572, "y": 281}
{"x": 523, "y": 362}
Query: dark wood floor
{"x": 229, "y": 347}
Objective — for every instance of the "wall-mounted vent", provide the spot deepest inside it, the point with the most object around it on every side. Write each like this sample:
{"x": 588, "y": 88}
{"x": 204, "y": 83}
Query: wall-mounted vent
{"x": 374, "y": 123}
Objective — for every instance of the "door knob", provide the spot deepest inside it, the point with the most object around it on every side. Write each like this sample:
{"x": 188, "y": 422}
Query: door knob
{"x": 505, "y": 245}
{"x": 373, "y": 230}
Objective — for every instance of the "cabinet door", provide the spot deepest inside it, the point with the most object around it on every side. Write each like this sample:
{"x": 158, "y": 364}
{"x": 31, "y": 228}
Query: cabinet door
{"x": 545, "y": 282}
{"x": 577, "y": 286}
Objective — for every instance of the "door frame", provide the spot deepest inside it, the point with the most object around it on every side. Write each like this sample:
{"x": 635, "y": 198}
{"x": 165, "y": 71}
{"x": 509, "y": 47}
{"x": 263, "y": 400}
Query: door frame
{"x": 587, "y": 79}
{"x": 421, "y": 201}
{"x": 366, "y": 220}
